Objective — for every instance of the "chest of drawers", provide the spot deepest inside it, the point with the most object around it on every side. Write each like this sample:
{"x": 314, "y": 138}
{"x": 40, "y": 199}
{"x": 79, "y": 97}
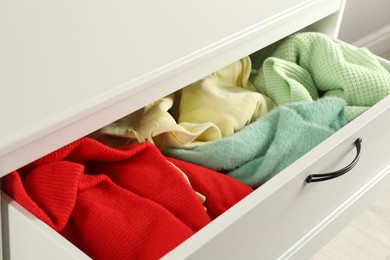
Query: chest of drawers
{"x": 69, "y": 68}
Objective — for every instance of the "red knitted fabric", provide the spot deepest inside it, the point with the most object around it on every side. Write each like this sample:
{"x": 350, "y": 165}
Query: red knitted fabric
{"x": 121, "y": 204}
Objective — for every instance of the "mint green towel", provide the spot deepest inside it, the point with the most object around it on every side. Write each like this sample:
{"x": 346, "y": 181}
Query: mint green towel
{"x": 271, "y": 143}
{"x": 306, "y": 66}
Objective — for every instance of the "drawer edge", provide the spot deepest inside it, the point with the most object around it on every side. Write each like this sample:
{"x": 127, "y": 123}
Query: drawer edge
{"x": 24, "y": 236}
{"x": 320, "y": 234}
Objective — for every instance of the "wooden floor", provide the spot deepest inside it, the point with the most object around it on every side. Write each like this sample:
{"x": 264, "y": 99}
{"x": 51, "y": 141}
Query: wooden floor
{"x": 367, "y": 237}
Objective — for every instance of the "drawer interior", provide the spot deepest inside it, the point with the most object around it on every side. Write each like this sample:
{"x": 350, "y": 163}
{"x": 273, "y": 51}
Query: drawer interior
{"x": 18, "y": 223}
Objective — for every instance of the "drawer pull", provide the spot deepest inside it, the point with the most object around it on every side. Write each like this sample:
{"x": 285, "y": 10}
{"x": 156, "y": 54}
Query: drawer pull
{"x": 335, "y": 174}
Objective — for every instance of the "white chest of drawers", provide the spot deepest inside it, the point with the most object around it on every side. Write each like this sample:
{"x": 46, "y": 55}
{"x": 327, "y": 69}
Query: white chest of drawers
{"x": 69, "y": 68}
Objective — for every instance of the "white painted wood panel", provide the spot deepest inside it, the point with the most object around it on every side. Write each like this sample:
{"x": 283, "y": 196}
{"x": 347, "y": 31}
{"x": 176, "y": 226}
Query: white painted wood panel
{"x": 69, "y": 68}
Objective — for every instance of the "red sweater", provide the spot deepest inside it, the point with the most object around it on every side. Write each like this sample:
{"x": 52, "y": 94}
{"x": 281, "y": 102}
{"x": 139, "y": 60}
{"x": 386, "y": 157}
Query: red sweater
{"x": 121, "y": 204}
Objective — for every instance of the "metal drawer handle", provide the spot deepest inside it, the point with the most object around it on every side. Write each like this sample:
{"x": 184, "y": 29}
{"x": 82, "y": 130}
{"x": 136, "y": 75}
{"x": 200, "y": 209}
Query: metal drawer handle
{"x": 335, "y": 174}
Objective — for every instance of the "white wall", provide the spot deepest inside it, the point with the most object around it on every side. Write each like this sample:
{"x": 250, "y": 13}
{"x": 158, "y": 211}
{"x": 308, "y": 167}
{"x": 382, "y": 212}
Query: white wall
{"x": 367, "y": 22}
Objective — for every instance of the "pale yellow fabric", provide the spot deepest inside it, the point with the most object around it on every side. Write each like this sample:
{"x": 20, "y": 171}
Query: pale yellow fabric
{"x": 155, "y": 124}
{"x": 225, "y": 97}
{"x": 200, "y": 196}
{"x": 213, "y": 107}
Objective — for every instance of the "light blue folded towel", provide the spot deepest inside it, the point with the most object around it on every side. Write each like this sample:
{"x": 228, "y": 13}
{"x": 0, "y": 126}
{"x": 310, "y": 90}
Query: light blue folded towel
{"x": 271, "y": 143}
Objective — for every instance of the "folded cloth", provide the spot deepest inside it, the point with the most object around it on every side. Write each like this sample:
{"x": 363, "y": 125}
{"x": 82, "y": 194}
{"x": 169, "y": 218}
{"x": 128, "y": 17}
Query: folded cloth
{"x": 131, "y": 203}
{"x": 271, "y": 143}
{"x": 305, "y": 66}
{"x": 206, "y": 110}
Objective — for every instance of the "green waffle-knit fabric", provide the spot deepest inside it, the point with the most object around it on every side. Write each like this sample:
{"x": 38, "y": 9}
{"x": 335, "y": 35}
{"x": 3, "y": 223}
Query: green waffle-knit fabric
{"x": 306, "y": 66}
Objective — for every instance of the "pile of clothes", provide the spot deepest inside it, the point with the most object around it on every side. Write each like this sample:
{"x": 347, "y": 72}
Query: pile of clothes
{"x": 253, "y": 118}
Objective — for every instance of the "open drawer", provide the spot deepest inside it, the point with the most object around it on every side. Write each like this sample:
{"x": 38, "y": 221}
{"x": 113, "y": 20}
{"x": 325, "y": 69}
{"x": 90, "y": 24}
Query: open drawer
{"x": 279, "y": 219}
{"x": 285, "y": 217}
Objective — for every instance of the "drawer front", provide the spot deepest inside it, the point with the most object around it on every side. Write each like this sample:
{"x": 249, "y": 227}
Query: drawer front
{"x": 270, "y": 220}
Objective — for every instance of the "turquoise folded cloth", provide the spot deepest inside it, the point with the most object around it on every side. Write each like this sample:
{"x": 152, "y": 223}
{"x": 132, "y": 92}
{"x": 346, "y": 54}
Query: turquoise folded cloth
{"x": 268, "y": 145}
{"x": 306, "y": 66}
